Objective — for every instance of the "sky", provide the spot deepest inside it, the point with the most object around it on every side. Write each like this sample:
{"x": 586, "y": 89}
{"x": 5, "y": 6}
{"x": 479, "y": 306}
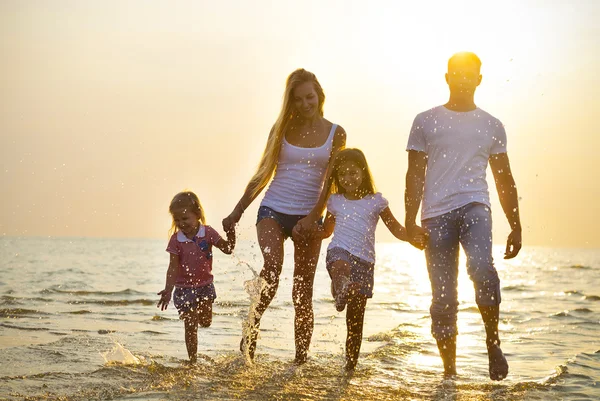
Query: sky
{"x": 109, "y": 108}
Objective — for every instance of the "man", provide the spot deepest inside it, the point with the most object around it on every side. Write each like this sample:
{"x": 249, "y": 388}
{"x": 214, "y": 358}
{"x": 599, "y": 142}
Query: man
{"x": 448, "y": 152}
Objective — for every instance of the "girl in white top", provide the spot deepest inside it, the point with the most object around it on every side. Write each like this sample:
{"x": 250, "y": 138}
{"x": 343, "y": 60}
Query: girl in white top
{"x": 353, "y": 210}
{"x": 297, "y": 157}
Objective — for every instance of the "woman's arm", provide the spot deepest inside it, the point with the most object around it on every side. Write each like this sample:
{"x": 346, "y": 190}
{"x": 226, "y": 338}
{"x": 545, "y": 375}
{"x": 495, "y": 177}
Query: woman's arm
{"x": 252, "y": 191}
{"x": 308, "y": 223}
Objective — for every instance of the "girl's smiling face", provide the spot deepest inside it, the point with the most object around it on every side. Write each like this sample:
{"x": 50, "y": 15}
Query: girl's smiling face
{"x": 186, "y": 221}
{"x": 350, "y": 177}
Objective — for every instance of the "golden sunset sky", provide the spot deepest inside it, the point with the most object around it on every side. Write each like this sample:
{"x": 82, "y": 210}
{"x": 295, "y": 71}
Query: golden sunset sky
{"x": 108, "y": 108}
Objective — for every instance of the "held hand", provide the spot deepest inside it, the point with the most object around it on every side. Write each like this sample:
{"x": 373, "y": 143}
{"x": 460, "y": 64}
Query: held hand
{"x": 417, "y": 236}
{"x": 419, "y": 241}
{"x": 229, "y": 230}
{"x": 165, "y": 298}
{"x": 513, "y": 244}
{"x": 230, "y": 221}
{"x": 304, "y": 229}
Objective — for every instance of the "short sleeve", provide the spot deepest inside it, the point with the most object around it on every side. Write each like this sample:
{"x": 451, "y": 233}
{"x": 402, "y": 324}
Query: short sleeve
{"x": 173, "y": 247}
{"x": 380, "y": 202}
{"x": 499, "y": 139}
{"x": 212, "y": 235}
{"x": 331, "y": 204}
{"x": 416, "y": 139}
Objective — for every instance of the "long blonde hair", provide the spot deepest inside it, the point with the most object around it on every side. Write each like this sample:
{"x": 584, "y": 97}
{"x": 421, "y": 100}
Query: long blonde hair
{"x": 268, "y": 162}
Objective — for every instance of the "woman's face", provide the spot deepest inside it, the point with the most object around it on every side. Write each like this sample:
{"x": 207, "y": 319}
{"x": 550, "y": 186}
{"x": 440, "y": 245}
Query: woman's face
{"x": 306, "y": 100}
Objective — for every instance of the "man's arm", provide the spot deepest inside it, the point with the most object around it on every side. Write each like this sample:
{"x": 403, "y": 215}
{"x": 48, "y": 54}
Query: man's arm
{"x": 507, "y": 192}
{"x": 413, "y": 194}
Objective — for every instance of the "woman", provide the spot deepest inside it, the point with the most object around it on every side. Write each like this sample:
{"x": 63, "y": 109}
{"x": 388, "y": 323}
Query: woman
{"x": 297, "y": 156}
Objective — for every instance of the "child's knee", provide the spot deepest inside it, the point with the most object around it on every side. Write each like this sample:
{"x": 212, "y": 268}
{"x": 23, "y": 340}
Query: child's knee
{"x": 205, "y": 321}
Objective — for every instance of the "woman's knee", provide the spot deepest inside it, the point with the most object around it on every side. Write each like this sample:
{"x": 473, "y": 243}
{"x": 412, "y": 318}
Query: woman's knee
{"x": 302, "y": 293}
{"x": 271, "y": 273}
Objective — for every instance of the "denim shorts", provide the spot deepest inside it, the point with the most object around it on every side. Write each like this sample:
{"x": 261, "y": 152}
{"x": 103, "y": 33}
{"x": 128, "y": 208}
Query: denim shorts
{"x": 361, "y": 271}
{"x": 286, "y": 221}
{"x": 188, "y": 299}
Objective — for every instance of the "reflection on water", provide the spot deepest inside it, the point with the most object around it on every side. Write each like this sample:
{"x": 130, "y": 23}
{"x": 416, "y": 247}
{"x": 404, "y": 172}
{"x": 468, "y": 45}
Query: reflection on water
{"x": 76, "y": 316}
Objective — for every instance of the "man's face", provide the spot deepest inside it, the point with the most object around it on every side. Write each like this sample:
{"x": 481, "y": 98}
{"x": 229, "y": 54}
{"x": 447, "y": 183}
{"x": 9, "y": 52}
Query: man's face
{"x": 463, "y": 76}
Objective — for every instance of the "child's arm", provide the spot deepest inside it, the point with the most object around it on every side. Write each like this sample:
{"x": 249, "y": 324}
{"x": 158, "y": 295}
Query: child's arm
{"x": 399, "y": 231}
{"x": 165, "y": 295}
{"x": 328, "y": 226}
{"x": 227, "y": 245}
{"x": 393, "y": 225}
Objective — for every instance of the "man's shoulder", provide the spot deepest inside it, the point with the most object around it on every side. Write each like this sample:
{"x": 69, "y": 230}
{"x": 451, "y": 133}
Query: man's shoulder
{"x": 484, "y": 114}
{"x": 432, "y": 112}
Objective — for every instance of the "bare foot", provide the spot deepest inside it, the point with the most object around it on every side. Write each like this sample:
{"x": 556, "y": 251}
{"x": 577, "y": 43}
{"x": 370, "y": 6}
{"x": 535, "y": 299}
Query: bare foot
{"x": 498, "y": 363}
{"x": 248, "y": 343}
{"x": 300, "y": 359}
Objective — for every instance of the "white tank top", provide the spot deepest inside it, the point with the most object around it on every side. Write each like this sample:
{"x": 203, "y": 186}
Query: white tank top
{"x": 299, "y": 177}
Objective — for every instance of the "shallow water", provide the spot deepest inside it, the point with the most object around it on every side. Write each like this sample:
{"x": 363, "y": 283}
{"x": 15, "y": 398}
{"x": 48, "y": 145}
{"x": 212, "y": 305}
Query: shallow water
{"x": 66, "y": 302}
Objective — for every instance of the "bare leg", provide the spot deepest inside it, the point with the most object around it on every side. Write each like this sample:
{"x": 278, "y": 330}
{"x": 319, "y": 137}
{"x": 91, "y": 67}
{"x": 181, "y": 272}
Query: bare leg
{"x": 447, "y": 348}
{"x": 498, "y": 366}
{"x": 190, "y": 321}
{"x": 270, "y": 240}
{"x": 340, "y": 278}
{"x": 306, "y": 255}
{"x": 205, "y": 313}
{"x": 354, "y": 324}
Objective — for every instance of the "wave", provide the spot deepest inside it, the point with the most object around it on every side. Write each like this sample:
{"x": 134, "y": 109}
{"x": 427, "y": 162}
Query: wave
{"x": 57, "y": 290}
{"x": 19, "y": 312}
{"x": 153, "y": 332}
{"x": 592, "y": 298}
{"x": 157, "y": 318}
{"x": 117, "y": 302}
{"x": 470, "y": 309}
{"x": 12, "y": 326}
{"x": 579, "y": 267}
{"x": 10, "y": 300}
{"x": 519, "y": 287}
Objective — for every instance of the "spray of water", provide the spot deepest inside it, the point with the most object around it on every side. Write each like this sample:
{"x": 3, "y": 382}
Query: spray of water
{"x": 121, "y": 355}
{"x": 254, "y": 288}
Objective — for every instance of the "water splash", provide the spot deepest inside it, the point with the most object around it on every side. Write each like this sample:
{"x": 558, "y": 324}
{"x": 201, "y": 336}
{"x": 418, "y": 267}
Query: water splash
{"x": 120, "y": 354}
{"x": 254, "y": 288}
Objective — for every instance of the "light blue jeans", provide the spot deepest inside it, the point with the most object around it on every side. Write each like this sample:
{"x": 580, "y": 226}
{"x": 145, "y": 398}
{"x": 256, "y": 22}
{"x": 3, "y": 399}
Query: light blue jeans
{"x": 471, "y": 227}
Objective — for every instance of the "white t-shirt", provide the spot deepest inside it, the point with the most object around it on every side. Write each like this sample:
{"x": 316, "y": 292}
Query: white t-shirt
{"x": 355, "y": 223}
{"x": 458, "y": 147}
{"x": 299, "y": 177}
